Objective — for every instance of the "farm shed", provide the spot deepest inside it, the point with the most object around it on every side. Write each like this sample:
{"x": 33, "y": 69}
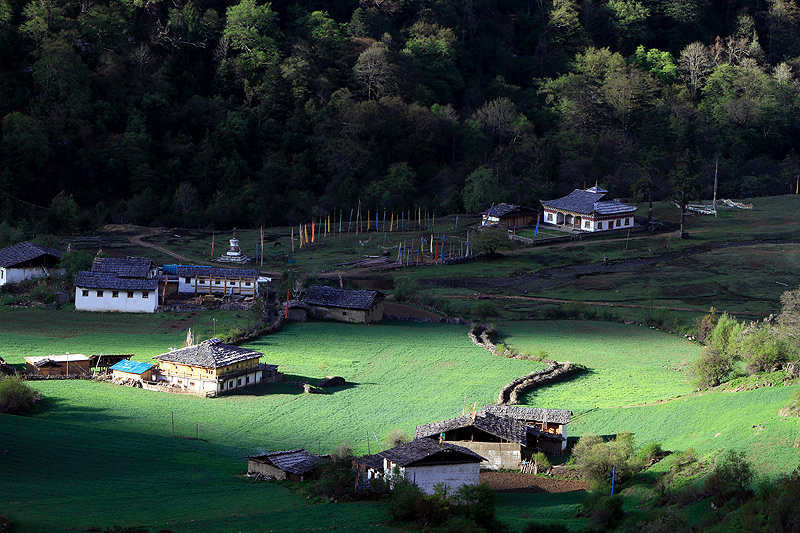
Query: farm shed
{"x": 101, "y": 362}
{"x": 502, "y": 440}
{"x": 214, "y": 280}
{"x": 426, "y": 463}
{"x": 509, "y": 215}
{"x": 547, "y": 421}
{"x": 585, "y": 210}
{"x": 298, "y": 311}
{"x": 26, "y": 260}
{"x": 118, "y": 284}
{"x": 294, "y": 465}
{"x": 132, "y": 370}
{"x": 58, "y": 365}
{"x": 213, "y": 366}
{"x": 346, "y": 305}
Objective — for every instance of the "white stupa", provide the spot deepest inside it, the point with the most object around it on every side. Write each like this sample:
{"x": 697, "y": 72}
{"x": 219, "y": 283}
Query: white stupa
{"x": 234, "y": 253}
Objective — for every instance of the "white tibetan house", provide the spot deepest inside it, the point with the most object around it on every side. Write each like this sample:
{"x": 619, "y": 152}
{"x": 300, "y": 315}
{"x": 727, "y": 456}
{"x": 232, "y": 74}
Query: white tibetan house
{"x": 127, "y": 285}
{"x": 585, "y": 210}
{"x": 214, "y": 367}
{"x": 26, "y": 260}
{"x": 216, "y": 280}
{"x": 427, "y": 463}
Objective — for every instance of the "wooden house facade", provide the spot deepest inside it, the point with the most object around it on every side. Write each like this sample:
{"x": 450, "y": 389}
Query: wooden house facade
{"x": 549, "y": 422}
{"x": 585, "y": 210}
{"x": 214, "y": 367}
{"x": 345, "y": 305}
{"x": 58, "y": 365}
{"x": 511, "y": 215}
{"x": 294, "y": 465}
{"x": 26, "y": 260}
{"x": 216, "y": 280}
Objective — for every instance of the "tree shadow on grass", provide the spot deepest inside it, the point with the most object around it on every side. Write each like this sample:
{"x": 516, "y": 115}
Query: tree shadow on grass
{"x": 66, "y": 409}
{"x": 284, "y": 387}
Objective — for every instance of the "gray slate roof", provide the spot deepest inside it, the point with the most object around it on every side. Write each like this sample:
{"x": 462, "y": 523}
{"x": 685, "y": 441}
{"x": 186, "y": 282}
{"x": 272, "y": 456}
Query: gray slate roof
{"x": 556, "y": 416}
{"x": 105, "y": 280}
{"x": 217, "y": 272}
{"x": 374, "y": 461}
{"x": 503, "y": 209}
{"x": 409, "y": 453}
{"x": 503, "y": 427}
{"x": 25, "y": 251}
{"x": 293, "y": 461}
{"x": 345, "y": 298}
{"x": 124, "y": 267}
{"x": 211, "y": 353}
{"x": 587, "y": 201}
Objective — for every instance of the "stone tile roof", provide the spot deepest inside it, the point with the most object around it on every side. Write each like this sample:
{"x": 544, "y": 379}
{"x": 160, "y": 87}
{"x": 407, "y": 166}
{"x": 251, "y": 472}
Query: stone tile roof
{"x": 217, "y": 272}
{"x": 613, "y": 207}
{"x": 25, "y": 251}
{"x": 374, "y": 461}
{"x": 346, "y": 298}
{"x": 503, "y": 427}
{"x": 411, "y": 452}
{"x": 586, "y": 201}
{"x": 211, "y": 353}
{"x": 503, "y": 209}
{"x": 124, "y": 267}
{"x": 106, "y": 280}
{"x": 293, "y": 461}
{"x": 578, "y": 201}
{"x": 529, "y": 414}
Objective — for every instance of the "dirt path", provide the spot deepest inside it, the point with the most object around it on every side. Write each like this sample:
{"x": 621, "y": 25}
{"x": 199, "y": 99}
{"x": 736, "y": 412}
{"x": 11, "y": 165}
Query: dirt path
{"x": 519, "y": 482}
{"x": 587, "y": 302}
{"x": 152, "y": 232}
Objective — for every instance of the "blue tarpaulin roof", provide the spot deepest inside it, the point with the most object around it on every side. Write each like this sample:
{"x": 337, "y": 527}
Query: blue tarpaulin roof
{"x": 132, "y": 367}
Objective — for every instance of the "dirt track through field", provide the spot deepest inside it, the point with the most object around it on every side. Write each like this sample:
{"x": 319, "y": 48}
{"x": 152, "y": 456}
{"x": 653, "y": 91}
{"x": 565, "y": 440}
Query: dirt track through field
{"x": 529, "y": 483}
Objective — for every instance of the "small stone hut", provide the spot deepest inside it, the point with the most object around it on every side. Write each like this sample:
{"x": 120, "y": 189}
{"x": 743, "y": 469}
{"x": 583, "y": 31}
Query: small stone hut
{"x": 346, "y": 305}
{"x": 294, "y": 465}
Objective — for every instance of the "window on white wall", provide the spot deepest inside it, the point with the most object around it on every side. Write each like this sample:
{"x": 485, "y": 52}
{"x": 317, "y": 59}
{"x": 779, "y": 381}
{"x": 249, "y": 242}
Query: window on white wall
{"x": 599, "y": 225}
{"x": 115, "y": 294}
{"x": 84, "y": 293}
{"x": 99, "y": 294}
{"x": 130, "y": 294}
{"x": 145, "y": 294}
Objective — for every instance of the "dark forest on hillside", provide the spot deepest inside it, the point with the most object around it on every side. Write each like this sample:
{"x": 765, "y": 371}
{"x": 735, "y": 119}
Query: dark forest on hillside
{"x": 210, "y": 112}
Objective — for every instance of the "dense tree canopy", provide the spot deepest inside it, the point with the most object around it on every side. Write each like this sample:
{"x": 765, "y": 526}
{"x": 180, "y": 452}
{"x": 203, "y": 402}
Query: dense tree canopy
{"x": 226, "y": 112}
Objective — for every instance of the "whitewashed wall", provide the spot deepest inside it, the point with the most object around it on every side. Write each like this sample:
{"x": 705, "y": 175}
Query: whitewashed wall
{"x": 452, "y": 475}
{"x": 16, "y": 275}
{"x": 107, "y": 302}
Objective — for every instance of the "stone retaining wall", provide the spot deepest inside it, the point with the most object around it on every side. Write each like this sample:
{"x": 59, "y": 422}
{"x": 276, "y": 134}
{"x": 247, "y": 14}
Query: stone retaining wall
{"x": 556, "y": 371}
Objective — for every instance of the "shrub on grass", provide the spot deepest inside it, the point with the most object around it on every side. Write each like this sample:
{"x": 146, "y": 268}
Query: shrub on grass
{"x": 762, "y": 350}
{"x": 396, "y": 437}
{"x": 605, "y": 512}
{"x": 43, "y": 292}
{"x": 712, "y": 367}
{"x": 484, "y": 309}
{"x": 16, "y": 397}
{"x": 732, "y": 477}
{"x": 406, "y": 289}
{"x": 596, "y": 460}
{"x": 476, "y": 502}
{"x": 540, "y": 462}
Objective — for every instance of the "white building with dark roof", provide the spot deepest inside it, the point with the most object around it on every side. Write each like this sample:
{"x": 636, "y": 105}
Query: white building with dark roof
{"x": 426, "y": 463}
{"x": 127, "y": 285}
{"x": 585, "y": 210}
{"x": 26, "y": 260}
{"x": 214, "y": 367}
